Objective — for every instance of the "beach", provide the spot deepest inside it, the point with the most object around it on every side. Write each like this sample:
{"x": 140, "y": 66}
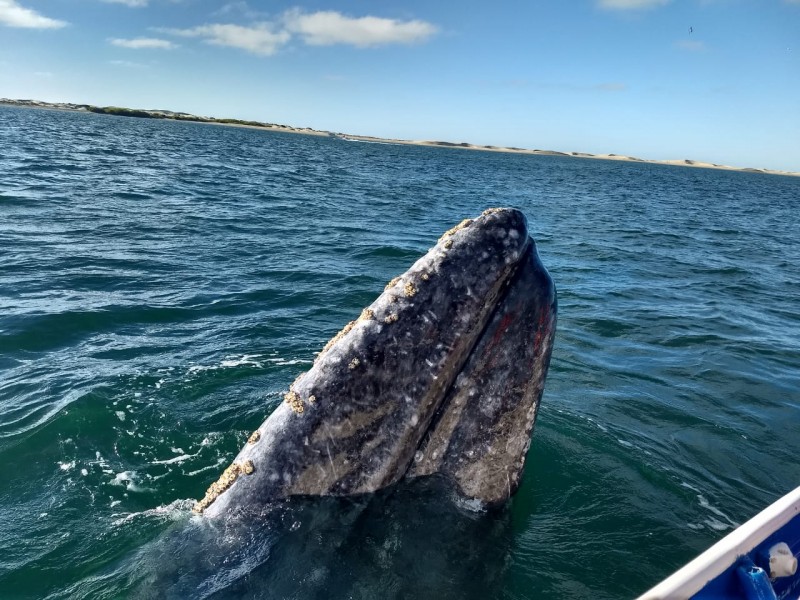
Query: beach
{"x": 164, "y": 114}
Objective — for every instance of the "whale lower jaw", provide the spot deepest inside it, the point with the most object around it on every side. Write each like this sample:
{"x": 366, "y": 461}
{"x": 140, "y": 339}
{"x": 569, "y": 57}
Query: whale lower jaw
{"x": 441, "y": 374}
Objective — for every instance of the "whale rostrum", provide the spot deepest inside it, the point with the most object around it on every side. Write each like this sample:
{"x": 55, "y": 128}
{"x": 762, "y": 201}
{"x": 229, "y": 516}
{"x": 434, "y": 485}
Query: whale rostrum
{"x": 441, "y": 374}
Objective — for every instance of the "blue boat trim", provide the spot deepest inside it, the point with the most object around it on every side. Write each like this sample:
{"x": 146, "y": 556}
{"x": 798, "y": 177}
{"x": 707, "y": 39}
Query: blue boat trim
{"x": 738, "y": 566}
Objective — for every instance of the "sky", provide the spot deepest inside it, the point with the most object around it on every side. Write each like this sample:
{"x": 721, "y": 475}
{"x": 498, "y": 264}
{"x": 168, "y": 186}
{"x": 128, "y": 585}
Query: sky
{"x": 709, "y": 80}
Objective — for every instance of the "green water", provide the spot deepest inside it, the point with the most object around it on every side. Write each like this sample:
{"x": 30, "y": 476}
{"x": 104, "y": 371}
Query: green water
{"x": 162, "y": 283}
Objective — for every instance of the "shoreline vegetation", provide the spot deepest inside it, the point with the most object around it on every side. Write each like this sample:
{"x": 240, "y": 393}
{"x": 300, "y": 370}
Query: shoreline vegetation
{"x": 181, "y": 116}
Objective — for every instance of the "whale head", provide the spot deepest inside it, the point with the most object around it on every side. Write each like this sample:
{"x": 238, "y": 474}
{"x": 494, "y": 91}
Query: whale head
{"x": 441, "y": 375}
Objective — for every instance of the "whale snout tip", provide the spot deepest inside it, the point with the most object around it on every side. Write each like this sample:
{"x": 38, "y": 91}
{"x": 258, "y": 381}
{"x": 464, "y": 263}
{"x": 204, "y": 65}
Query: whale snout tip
{"x": 508, "y": 216}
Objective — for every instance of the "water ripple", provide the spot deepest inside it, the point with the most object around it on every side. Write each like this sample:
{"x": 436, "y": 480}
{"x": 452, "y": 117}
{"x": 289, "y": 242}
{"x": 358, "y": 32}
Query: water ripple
{"x": 161, "y": 283}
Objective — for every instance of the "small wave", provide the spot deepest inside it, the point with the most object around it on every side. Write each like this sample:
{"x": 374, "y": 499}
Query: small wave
{"x": 174, "y": 511}
{"x": 249, "y": 360}
{"x": 129, "y": 480}
{"x": 711, "y": 521}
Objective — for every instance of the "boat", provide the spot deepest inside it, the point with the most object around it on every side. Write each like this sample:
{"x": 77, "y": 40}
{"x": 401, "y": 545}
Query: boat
{"x": 756, "y": 561}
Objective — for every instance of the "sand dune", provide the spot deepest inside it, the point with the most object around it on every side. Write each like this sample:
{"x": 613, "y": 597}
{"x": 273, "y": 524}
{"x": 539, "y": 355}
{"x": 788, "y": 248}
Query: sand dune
{"x": 378, "y": 140}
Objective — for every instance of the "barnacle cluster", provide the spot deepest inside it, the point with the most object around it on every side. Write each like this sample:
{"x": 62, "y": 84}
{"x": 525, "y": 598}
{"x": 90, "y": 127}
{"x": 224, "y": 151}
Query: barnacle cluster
{"x": 353, "y": 364}
{"x": 337, "y": 337}
{"x": 226, "y": 480}
{"x": 448, "y": 243}
{"x": 409, "y": 290}
{"x": 392, "y": 282}
{"x": 294, "y": 401}
{"x": 463, "y": 225}
{"x": 367, "y": 315}
{"x": 254, "y": 437}
{"x": 490, "y": 211}
{"x": 312, "y": 398}
{"x": 390, "y": 318}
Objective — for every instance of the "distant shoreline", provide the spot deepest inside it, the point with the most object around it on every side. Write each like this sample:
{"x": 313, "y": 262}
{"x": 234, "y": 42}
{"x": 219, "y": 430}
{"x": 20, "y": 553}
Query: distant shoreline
{"x": 176, "y": 116}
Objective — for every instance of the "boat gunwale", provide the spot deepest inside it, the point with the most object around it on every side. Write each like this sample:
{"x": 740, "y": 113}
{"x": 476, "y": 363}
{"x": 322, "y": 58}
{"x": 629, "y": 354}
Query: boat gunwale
{"x": 692, "y": 577}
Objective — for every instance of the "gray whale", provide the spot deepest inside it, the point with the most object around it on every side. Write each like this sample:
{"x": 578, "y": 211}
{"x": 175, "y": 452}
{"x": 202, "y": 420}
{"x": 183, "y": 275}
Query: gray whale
{"x": 441, "y": 374}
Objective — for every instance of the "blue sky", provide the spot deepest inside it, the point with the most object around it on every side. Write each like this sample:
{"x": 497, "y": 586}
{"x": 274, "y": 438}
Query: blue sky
{"x": 711, "y": 80}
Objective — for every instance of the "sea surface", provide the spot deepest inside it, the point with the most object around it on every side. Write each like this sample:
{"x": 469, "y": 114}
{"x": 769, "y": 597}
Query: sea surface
{"x": 162, "y": 283}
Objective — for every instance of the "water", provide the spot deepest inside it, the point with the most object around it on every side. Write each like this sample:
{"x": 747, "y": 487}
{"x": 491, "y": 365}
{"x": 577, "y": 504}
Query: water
{"x": 162, "y": 283}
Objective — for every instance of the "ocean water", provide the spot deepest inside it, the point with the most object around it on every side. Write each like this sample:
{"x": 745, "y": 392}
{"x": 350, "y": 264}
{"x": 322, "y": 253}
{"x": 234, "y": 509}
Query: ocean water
{"x": 162, "y": 283}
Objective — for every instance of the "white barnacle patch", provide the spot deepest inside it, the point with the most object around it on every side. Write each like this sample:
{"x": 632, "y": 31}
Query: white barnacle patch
{"x": 354, "y": 364}
{"x": 226, "y": 480}
{"x": 294, "y": 401}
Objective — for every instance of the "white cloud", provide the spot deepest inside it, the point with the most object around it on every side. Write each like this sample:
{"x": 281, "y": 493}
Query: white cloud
{"x": 14, "y": 15}
{"x": 240, "y": 8}
{"x": 325, "y": 28}
{"x": 260, "y": 38}
{"x": 131, "y": 3}
{"x": 631, "y": 4}
{"x": 142, "y": 43}
{"x": 128, "y": 64}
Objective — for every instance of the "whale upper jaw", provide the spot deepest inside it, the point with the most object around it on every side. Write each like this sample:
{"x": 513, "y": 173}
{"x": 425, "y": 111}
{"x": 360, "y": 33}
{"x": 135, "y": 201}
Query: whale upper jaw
{"x": 442, "y": 373}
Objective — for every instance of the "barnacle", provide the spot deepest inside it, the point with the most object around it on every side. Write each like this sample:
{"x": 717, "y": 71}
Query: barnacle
{"x": 337, "y": 337}
{"x": 294, "y": 400}
{"x": 392, "y": 282}
{"x": 390, "y": 318}
{"x": 463, "y": 225}
{"x": 226, "y": 480}
{"x": 409, "y": 290}
{"x": 354, "y": 363}
{"x": 256, "y": 435}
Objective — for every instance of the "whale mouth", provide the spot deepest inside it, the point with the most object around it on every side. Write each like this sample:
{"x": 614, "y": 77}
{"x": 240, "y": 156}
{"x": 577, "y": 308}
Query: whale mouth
{"x": 442, "y": 374}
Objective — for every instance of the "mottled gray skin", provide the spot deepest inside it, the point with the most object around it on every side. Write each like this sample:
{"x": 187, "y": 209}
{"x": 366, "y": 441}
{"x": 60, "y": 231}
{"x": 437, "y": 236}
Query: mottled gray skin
{"x": 477, "y": 311}
{"x": 482, "y": 431}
